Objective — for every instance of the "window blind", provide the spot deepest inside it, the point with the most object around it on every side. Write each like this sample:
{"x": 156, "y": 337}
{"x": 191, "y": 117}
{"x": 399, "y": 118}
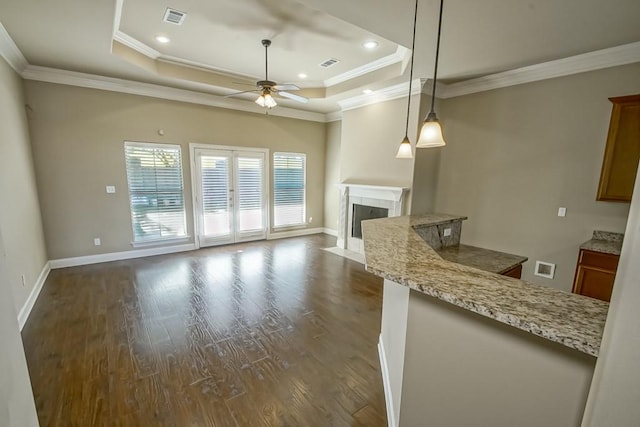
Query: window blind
{"x": 289, "y": 171}
{"x": 156, "y": 196}
{"x": 249, "y": 193}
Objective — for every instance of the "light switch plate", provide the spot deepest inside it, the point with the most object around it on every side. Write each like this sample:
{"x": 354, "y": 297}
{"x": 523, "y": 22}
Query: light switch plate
{"x": 562, "y": 211}
{"x": 111, "y": 189}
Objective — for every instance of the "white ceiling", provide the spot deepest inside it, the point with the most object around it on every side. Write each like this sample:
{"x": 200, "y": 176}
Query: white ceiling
{"x": 223, "y": 36}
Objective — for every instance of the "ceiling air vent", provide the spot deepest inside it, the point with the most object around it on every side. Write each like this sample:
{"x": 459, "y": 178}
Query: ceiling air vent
{"x": 329, "y": 62}
{"x": 173, "y": 16}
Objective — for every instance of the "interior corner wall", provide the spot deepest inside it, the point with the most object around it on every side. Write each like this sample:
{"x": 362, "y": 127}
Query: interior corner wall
{"x": 78, "y": 139}
{"x": 20, "y": 220}
{"x": 515, "y": 155}
{"x": 425, "y": 169}
{"x": 332, "y": 175}
{"x": 370, "y": 139}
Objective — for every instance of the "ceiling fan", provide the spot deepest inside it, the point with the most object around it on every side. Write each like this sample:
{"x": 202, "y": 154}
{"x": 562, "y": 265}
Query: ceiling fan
{"x": 267, "y": 88}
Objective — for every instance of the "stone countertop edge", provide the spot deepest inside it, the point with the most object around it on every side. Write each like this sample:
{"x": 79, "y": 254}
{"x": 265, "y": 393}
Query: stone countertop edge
{"x": 394, "y": 251}
{"x": 602, "y": 246}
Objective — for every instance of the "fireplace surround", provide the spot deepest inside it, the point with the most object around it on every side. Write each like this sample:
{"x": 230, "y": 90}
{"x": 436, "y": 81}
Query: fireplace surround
{"x": 374, "y": 196}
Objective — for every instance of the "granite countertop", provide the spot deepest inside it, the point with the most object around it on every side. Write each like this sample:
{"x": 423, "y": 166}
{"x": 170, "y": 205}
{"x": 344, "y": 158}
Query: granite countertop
{"x": 604, "y": 242}
{"x": 480, "y": 258}
{"x": 394, "y": 251}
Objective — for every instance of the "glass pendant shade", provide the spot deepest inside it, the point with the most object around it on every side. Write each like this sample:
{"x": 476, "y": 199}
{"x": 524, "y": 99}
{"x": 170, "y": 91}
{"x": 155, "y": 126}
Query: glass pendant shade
{"x": 405, "y": 151}
{"x": 266, "y": 100}
{"x": 431, "y": 133}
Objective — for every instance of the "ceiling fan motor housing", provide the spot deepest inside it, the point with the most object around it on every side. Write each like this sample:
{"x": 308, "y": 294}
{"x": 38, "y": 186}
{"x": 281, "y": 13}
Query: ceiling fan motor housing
{"x": 265, "y": 84}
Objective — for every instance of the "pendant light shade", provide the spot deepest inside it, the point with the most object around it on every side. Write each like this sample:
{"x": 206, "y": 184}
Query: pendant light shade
{"x": 405, "y": 151}
{"x": 431, "y": 132}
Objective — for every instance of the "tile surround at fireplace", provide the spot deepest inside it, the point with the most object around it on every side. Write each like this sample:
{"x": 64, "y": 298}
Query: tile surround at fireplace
{"x": 387, "y": 197}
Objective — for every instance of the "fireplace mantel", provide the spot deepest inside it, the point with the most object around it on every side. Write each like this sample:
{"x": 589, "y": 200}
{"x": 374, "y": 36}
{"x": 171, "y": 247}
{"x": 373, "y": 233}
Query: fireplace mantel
{"x": 389, "y": 197}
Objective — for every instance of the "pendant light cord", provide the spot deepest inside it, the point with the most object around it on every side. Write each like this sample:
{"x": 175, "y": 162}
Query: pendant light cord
{"x": 413, "y": 48}
{"x": 435, "y": 71}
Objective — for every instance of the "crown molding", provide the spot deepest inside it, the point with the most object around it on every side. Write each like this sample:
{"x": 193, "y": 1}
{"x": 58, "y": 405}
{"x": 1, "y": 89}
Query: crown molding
{"x": 382, "y": 95}
{"x": 591, "y": 61}
{"x": 334, "y": 116}
{"x": 10, "y": 51}
{"x": 385, "y": 61}
{"x": 92, "y": 81}
{"x": 135, "y": 44}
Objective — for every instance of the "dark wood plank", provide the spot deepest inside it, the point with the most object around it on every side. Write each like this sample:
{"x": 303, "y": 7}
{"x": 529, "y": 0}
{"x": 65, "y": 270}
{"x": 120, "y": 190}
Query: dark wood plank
{"x": 272, "y": 333}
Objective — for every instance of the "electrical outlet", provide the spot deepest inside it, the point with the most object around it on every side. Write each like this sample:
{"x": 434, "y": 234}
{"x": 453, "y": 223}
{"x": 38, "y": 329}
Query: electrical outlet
{"x": 545, "y": 269}
{"x": 447, "y": 232}
{"x": 97, "y": 241}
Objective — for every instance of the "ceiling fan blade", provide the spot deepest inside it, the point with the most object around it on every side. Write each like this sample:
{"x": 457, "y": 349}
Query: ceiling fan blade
{"x": 240, "y": 93}
{"x": 286, "y": 87}
{"x": 293, "y": 96}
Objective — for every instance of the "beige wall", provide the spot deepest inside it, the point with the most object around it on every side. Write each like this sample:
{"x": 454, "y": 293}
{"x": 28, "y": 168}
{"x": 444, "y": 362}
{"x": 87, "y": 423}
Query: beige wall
{"x": 78, "y": 139}
{"x": 463, "y": 369}
{"x": 425, "y": 169}
{"x": 20, "y": 221}
{"x": 370, "y": 139}
{"x": 517, "y": 154}
{"x": 21, "y": 249}
{"x": 332, "y": 175}
{"x": 615, "y": 390}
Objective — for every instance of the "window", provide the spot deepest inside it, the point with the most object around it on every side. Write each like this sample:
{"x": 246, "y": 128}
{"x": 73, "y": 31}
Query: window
{"x": 154, "y": 175}
{"x": 289, "y": 170}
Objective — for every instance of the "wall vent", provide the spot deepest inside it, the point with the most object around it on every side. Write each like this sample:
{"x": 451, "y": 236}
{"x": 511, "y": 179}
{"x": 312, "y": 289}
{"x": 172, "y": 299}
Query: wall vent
{"x": 329, "y": 62}
{"x": 173, "y": 16}
{"x": 545, "y": 269}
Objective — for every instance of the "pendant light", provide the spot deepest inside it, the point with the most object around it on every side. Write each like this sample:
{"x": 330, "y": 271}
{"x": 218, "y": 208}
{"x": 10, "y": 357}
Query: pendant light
{"x": 405, "y": 151}
{"x": 431, "y": 133}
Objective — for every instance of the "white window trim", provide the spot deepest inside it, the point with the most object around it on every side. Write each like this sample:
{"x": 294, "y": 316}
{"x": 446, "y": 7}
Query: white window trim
{"x": 168, "y": 240}
{"x": 304, "y": 222}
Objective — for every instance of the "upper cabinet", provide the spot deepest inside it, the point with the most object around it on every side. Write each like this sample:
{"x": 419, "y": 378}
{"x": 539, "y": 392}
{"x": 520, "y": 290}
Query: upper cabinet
{"x": 622, "y": 152}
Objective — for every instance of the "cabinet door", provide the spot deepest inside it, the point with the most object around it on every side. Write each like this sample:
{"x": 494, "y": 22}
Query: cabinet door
{"x": 594, "y": 282}
{"x": 622, "y": 151}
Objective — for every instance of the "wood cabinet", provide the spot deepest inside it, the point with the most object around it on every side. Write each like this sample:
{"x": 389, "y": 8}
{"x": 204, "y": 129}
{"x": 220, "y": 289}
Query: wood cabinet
{"x": 515, "y": 272}
{"x": 595, "y": 274}
{"x": 622, "y": 151}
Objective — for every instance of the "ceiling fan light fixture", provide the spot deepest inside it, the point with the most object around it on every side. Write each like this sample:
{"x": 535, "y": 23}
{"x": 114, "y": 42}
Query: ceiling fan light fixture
{"x": 266, "y": 100}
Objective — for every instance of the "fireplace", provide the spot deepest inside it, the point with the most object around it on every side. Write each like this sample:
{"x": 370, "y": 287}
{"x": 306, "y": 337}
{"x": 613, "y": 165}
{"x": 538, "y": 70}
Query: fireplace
{"x": 363, "y": 212}
{"x": 372, "y": 201}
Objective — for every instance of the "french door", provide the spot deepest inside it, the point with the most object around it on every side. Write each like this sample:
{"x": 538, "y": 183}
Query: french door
{"x": 230, "y": 197}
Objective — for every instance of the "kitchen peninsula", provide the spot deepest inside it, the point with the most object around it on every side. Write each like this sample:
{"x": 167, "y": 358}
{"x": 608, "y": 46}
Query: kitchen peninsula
{"x": 460, "y": 345}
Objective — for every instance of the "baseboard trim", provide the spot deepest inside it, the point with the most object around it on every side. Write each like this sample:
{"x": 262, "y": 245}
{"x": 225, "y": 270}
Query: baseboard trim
{"x": 330, "y": 232}
{"x": 33, "y": 296}
{"x": 118, "y": 256}
{"x": 294, "y": 233}
{"x": 386, "y": 383}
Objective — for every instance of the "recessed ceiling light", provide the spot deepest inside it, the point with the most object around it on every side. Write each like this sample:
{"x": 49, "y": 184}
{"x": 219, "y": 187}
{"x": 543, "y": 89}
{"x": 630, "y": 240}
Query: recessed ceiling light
{"x": 163, "y": 39}
{"x": 302, "y": 76}
{"x": 367, "y": 91}
{"x": 371, "y": 44}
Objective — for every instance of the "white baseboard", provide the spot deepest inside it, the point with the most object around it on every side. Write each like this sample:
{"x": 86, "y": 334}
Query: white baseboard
{"x": 118, "y": 256}
{"x": 330, "y": 232}
{"x": 33, "y": 296}
{"x": 386, "y": 383}
{"x": 294, "y": 233}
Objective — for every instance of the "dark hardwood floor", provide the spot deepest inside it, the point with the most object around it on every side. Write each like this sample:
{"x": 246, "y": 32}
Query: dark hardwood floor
{"x": 277, "y": 333}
